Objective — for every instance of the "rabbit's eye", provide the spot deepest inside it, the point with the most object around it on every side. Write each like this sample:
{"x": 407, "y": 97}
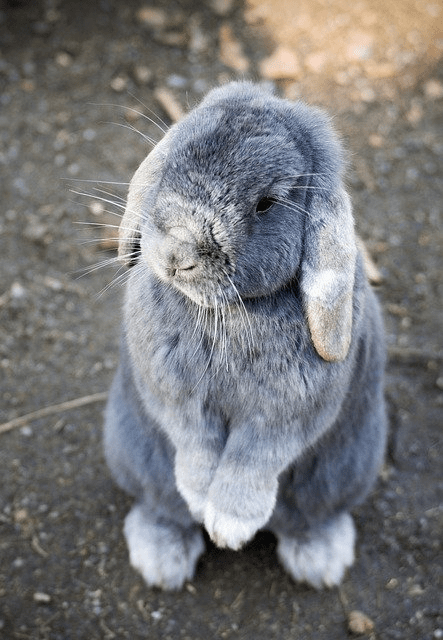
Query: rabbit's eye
{"x": 264, "y": 204}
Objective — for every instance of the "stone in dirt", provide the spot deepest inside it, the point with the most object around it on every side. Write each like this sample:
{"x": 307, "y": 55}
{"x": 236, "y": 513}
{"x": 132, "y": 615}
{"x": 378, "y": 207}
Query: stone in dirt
{"x": 280, "y": 65}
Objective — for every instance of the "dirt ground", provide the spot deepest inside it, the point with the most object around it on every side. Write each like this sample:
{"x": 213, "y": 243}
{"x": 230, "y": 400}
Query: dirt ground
{"x": 78, "y": 79}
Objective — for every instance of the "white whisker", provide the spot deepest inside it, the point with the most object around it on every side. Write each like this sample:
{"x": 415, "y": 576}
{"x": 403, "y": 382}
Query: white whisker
{"x": 147, "y": 117}
{"x": 86, "y": 271}
{"x": 107, "y": 226}
{"x": 118, "y": 279}
{"x": 214, "y": 340}
{"x": 98, "y": 224}
{"x": 120, "y": 106}
{"x": 91, "y": 241}
{"x": 297, "y": 176}
{"x": 97, "y": 181}
{"x": 91, "y": 195}
{"x": 244, "y": 314}
{"x": 112, "y": 195}
{"x": 202, "y": 314}
{"x": 224, "y": 350}
{"x": 292, "y": 206}
{"x": 131, "y": 127}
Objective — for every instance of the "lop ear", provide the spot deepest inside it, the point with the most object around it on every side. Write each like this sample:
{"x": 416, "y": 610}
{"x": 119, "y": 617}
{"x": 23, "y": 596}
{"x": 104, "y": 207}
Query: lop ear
{"x": 143, "y": 184}
{"x": 327, "y": 274}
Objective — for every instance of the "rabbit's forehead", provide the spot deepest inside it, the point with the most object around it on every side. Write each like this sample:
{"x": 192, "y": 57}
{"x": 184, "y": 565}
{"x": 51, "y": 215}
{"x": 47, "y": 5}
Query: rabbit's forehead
{"x": 197, "y": 209}
{"x": 233, "y": 134}
{"x": 228, "y": 157}
{"x": 223, "y": 163}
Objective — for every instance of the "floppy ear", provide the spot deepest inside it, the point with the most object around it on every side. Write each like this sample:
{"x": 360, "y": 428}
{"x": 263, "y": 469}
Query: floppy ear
{"x": 145, "y": 180}
{"x": 327, "y": 274}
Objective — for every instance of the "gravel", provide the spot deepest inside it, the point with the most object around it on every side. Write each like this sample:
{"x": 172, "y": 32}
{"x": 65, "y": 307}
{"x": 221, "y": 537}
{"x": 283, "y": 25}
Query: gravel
{"x": 84, "y": 86}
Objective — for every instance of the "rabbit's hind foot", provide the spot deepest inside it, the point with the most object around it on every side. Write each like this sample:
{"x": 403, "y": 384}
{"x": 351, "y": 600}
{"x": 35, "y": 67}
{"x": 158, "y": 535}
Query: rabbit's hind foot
{"x": 165, "y": 554}
{"x": 322, "y": 558}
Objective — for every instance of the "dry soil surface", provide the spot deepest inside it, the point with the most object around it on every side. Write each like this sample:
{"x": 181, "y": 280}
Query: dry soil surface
{"x": 83, "y": 85}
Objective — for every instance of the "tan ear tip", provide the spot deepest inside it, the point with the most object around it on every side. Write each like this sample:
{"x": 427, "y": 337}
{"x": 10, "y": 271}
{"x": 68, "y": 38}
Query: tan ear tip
{"x": 333, "y": 356}
{"x": 331, "y": 353}
{"x": 331, "y": 329}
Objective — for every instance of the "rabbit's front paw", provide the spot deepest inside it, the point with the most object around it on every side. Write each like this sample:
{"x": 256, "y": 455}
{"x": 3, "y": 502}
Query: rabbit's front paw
{"x": 233, "y": 516}
{"x": 227, "y": 530}
{"x": 166, "y": 554}
{"x": 322, "y": 559}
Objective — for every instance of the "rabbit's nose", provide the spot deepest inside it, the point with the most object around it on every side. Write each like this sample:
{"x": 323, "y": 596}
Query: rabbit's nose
{"x": 181, "y": 249}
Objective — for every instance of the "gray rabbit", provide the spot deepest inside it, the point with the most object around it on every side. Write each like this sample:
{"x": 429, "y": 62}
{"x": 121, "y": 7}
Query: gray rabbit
{"x": 249, "y": 393}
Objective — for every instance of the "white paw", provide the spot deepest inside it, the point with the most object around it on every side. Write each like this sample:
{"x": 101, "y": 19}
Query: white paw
{"x": 166, "y": 556}
{"x": 322, "y": 560}
{"x": 230, "y": 531}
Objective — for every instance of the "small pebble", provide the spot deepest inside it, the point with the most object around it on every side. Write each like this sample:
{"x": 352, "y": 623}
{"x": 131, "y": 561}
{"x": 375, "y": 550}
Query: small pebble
{"x": 315, "y": 62}
{"x": 191, "y": 588}
{"x": 377, "y": 71}
{"x": 360, "y": 44}
{"x": 172, "y": 38}
{"x": 376, "y": 141}
{"x": 119, "y": 84}
{"x": 221, "y": 7}
{"x": 142, "y": 74}
{"x": 169, "y": 103}
{"x": 17, "y": 291}
{"x": 89, "y": 135}
{"x": 151, "y": 17}
{"x": 21, "y": 515}
{"x": 42, "y": 598}
{"x": 176, "y": 82}
{"x": 392, "y": 583}
{"x": 63, "y": 59}
{"x": 231, "y": 50}
{"x": 96, "y": 208}
{"x": 359, "y": 623}
{"x": 415, "y": 113}
{"x": 415, "y": 590}
{"x": 433, "y": 89}
{"x": 198, "y": 38}
{"x": 280, "y": 65}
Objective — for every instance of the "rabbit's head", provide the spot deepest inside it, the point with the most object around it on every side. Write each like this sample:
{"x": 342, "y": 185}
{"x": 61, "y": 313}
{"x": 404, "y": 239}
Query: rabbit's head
{"x": 243, "y": 197}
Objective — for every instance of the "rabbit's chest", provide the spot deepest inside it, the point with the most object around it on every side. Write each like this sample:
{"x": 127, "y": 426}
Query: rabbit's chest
{"x": 238, "y": 365}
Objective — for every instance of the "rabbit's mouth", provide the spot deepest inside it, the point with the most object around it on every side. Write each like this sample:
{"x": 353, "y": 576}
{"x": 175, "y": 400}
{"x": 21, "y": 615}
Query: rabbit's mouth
{"x": 211, "y": 295}
{"x": 198, "y": 268}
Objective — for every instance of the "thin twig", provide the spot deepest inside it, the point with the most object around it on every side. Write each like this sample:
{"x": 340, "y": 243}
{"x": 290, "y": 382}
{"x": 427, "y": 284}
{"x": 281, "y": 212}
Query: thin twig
{"x": 36, "y": 546}
{"x": 49, "y": 411}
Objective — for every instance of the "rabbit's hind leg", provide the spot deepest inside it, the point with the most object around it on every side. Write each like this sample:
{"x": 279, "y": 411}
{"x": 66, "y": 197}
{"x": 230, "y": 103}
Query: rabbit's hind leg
{"x": 164, "y": 541}
{"x": 165, "y": 553}
{"x": 323, "y": 555}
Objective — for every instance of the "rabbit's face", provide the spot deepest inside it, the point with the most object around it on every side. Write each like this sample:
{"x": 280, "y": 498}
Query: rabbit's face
{"x": 228, "y": 216}
{"x": 242, "y": 197}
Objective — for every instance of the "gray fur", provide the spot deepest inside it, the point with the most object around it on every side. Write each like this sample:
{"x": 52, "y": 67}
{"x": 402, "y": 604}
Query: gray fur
{"x": 250, "y": 388}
